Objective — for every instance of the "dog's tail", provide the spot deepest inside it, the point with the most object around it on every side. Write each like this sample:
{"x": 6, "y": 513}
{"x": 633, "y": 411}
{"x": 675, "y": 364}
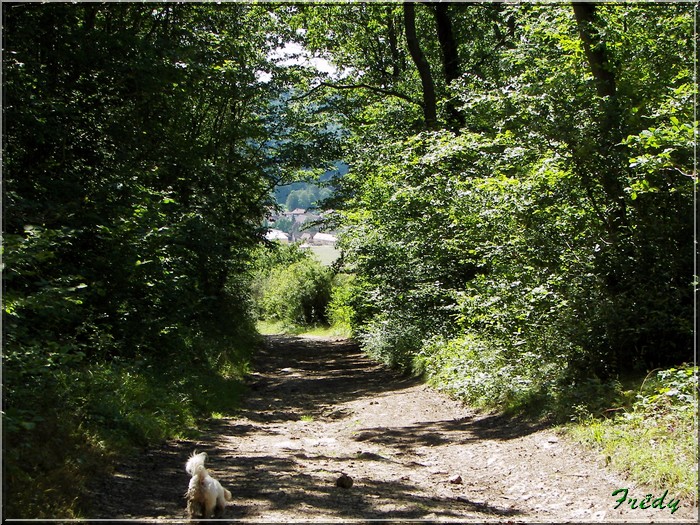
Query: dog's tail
{"x": 196, "y": 463}
{"x": 227, "y": 495}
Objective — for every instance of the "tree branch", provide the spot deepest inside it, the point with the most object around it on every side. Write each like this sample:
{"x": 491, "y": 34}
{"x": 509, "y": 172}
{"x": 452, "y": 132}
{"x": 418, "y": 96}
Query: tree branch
{"x": 421, "y": 63}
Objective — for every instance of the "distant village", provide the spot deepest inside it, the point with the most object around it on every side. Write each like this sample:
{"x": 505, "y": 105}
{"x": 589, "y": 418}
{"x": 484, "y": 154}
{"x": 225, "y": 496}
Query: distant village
{"x": 291, "y": 227}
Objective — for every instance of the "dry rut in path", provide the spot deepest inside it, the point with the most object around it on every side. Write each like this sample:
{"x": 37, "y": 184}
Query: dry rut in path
{"x": 317, "y": 408}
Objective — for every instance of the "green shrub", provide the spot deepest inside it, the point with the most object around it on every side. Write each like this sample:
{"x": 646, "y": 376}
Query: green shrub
{"x": 482, "y": 373}
{"x": 391, "y": 339}
{"x": 341, "y": 314}
{"x": 489, "y": 374}
{"x": 296, "y": 294}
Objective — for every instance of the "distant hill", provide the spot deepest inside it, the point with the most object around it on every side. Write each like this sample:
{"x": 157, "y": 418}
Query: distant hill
{"x": 306, "y": 194}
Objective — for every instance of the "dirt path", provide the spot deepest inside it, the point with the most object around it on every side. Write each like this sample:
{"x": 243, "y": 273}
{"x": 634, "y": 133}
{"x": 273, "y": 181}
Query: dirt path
{"x": 317, "y": 408}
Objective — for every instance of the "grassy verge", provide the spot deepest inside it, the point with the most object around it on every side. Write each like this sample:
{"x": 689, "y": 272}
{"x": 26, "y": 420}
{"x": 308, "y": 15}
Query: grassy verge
{"x": 280, "y": 327}
{"x": 85, "y": 418}
{"x": 652, "y": 439}
{"x": 326, "y": 255}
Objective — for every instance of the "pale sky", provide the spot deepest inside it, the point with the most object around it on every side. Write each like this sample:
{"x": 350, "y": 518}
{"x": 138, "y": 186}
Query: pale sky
{"x": 292, "y": 54}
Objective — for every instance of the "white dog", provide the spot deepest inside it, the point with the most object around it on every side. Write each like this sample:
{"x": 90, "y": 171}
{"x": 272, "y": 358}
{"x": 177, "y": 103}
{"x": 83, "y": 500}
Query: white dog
{"x": 205, "y": 495}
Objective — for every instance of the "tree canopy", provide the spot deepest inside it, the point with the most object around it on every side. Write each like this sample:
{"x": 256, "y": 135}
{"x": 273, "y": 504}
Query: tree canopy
{"x": 519, "y": 173}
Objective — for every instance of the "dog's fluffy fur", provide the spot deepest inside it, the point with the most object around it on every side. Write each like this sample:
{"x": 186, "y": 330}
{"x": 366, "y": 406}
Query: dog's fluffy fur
{"x": 205, "y": 495}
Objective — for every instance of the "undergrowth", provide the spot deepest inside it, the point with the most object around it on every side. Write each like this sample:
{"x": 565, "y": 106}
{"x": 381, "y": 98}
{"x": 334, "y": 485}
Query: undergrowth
{"x": 486, "y": 375}
{"x": 646, "y": 428}
{"x": 653, "y": 438}
{"x": 87, "y": 416}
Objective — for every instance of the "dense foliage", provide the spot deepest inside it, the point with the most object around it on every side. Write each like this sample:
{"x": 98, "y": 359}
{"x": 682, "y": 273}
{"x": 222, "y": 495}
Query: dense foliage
{"x": 141, "y": 145}
{"x": 518, "y": 211}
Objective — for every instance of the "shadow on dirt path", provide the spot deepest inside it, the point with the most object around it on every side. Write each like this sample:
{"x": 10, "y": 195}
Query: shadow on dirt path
{"x": 318, "y": 407}
{"x": 308, "y": 377}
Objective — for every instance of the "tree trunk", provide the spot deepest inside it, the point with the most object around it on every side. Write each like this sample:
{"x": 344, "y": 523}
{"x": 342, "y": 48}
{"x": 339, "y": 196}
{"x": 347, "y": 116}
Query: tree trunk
{"x": 394, "y": 46}
{"x": 450, "y": 59}
{"x": 594, "y": 47}
{"x": 448, "y": 45}
{"x": 612, "y": 164}
{"x": 429, "y": 99}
